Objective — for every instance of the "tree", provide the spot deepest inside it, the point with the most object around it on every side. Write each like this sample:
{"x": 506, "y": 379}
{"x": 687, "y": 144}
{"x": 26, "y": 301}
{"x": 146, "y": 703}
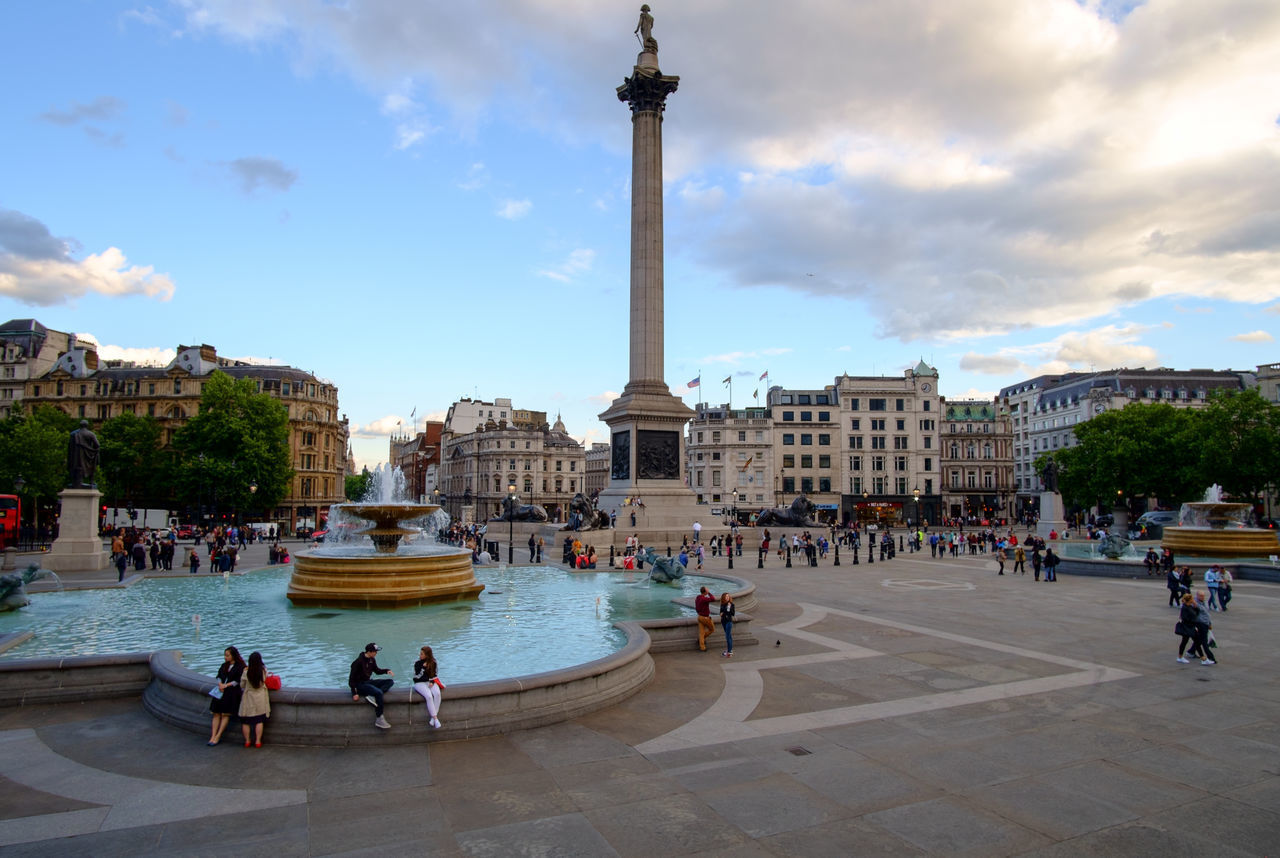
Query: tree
{"x": 356, "y": 486}
{"x": 34, "y": 447}
{"x": 1239, "y": 450}
{"x": 1142, "y": 450}
{"x": 239, "y": 439}
{"x": 132, "y": 465}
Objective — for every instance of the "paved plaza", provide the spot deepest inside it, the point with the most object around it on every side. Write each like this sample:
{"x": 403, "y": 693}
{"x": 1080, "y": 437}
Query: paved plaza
{"x": 909, "y": 707}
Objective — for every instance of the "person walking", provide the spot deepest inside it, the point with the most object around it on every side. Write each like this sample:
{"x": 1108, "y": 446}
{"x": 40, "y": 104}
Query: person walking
{"x": 1036, "y": 560}
{"x": 428, "y": 684}
{"x": 1173, "y": 581}
{"x": 1050, "y": 565}
{"x": 1019, "y": 560}
{"x": 702, "y": 607}
{"x": 1211, "y": 583}
{"x": 362, "y": 683}
{"x": 255, "y": 701}
{"x": 533, "y": 547}
{"x": 227, "y": 702}
{"x": 727, "y": 613}
{"x": 1000, "y": 558}
{"x": 1225, "y": 580}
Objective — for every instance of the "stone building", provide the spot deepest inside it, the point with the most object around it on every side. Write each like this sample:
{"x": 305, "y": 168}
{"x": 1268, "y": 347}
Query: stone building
{"x": 806, "y": 448}
{"x": 597, "y": 476}
{"x": 506, "y": 447}
{"x": 1268, "y": 376}
{"x": 83, "y": 386}
{"x": 976, "y": 442}
{"x": 1044, "y": 411}
{"x": 28, "y": 350}
{"x": 418, "y": 458}
{"x": 731, "y": 450}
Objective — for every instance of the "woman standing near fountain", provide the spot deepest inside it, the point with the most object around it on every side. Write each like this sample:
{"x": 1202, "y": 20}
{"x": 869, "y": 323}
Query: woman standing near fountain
{"x": 230, "y": 677}
{"x": 426, "y": 683}
{"x": 255, "y": 702}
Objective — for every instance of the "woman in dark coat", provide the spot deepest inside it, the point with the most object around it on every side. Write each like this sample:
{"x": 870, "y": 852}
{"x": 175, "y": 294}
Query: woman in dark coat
{"x": 230, "y": 683}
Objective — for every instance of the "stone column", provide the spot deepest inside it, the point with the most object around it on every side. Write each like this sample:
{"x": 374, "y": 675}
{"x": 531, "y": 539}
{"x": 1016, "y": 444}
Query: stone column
{"x": 78, "y": 546}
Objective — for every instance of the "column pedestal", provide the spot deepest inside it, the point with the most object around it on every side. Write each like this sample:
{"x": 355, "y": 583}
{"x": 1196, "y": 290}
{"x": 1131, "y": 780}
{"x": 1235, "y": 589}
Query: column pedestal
{"x": 1051, "y": 517}
{"x": 78, "y": 546}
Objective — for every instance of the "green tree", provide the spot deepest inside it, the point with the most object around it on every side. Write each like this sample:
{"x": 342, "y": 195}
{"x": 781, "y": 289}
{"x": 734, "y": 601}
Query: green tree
{"x": 34, "y": 447}
{"x": 356, "y": 486}
{"x": 1239, "y": 435}
{"x": 1142, "y": 450}
{"x": 133, "y": 466}
{"x": 239, "y": 439}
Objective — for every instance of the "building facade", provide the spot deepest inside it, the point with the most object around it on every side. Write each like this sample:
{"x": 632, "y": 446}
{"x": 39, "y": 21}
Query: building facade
{"x": 28, "y": 350}
{"x": 82, "y": 386}
{"x": 418, "y": 458}
{"x": 976, "y": 441}
{"x": 481, "y": 462}
{"x": 597, "y": 465}
{"x": 730, "y": 451}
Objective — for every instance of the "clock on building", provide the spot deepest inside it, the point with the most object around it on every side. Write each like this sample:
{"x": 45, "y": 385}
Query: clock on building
{"x": 926, "y": 387}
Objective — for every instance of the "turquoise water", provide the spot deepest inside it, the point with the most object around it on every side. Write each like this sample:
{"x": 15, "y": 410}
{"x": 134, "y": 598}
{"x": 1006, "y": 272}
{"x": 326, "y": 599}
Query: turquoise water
{"x": 530, "y": 619}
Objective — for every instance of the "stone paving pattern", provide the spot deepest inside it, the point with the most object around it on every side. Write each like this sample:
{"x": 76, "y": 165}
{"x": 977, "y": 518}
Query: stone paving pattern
{"x": 910, "y": 707}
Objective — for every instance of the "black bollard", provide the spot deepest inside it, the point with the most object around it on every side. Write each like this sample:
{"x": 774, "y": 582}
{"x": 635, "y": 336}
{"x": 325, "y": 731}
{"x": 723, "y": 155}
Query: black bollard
{"x": 900, "y": 548}
{"x": 871, "y": 552}
{"x": 788, "y": 556}
{"x": 610, "y": 556}
{"x": 731, "y": 557}
{"x": 760, "y": 559}
{"x": 837, "y": 560}
{"x": 853, "y": 550}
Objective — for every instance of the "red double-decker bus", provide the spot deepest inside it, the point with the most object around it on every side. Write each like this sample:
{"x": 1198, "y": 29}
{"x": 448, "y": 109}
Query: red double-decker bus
{"x": 10, "y": 520}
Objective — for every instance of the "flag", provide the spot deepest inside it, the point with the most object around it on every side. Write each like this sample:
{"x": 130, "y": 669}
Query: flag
{"x": 727, "y": 380}
{"x": 696, "y": 381}
{"x": 748, "y": 464}
{"x": 764, "y": 375}
{"x": 413, "y": 413}
{"x": 756, "y": 393}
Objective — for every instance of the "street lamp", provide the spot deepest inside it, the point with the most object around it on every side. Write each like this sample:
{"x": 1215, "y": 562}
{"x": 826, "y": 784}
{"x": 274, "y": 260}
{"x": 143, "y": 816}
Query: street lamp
{"x": 915, "y": 496}
{"x": 511, "y": 524}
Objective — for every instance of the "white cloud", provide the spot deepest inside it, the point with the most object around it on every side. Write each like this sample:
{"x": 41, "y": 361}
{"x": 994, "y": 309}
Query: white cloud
{"x": 513, "y": 209}
{"x": 1104, "y": 348}
{"x": 102, "y": 108}
{"x": 38, "y": 268}
{"x": 605, "y": 398}
{"x": 1254, "y": 337}
{"x": 141, "y": 355}
{"x": 381, "y": 427}
{"x": 739, "y": 356}
{"x": 579, "y": 262}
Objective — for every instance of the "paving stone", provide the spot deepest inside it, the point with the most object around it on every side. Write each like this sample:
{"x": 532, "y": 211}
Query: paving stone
{"x": 564, "y": 836}
{"x": 843, "y": 838}
{"x": 947, "y": 826}
{"x": 671, "y": 825}
{"x": 502, "y": 799}
{"x": 768, "y": 805}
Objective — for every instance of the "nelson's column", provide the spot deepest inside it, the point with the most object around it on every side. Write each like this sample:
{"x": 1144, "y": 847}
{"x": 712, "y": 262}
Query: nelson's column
{"x": 647, "y": 422}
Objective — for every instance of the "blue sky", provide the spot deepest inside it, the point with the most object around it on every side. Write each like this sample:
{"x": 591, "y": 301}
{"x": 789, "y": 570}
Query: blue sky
{"x": 427, "y": 201}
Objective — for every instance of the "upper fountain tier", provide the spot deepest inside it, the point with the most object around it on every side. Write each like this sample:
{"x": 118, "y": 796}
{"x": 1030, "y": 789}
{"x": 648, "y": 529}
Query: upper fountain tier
{"x": 386, "y": 532}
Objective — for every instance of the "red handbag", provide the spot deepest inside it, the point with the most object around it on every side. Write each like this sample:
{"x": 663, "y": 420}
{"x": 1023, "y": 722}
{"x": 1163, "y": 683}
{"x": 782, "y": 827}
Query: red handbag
{"x": 273, "y": 682}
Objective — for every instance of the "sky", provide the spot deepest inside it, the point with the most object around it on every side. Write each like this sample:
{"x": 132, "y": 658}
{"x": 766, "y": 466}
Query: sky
{"x": 424, "y": 201}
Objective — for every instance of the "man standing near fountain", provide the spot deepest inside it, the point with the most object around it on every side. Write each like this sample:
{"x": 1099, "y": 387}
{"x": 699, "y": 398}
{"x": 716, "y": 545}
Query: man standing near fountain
{"x": 363, "y": 684}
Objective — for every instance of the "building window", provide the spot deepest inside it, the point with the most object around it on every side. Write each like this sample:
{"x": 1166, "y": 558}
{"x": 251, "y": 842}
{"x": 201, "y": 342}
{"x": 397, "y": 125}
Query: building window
{"x": 824, "y": 440}
{"x": 899, "y": 463}
{"x": 877, "y": 463}
{"x": 824, "y": 416}
{"x": 806, "y": 461}
{"x": 806, "y": 416}
{"x": 789, "y": 485}
{"x": 802, "y": 399}
{"x": 900, "y": 442}
{"x": 877, "y": 442}
{"x": 877, "y": 404}
{"x": 824, "y": 461}
{"x": 788, "y": 439}
{"x": 928, "y": 442}
{"x": 806, "y": 484}
{"x": 855, "y": 442}
{"x": 853, "y": 405}
{"x": 928, "y": 464}
{"x": 855, "y": 463}
{"x": 788, "y": 416}
{"x": 856, "y": 425}
{"x": 855, "y": 485}
{"x": 899, "y": 405}
{"x": 742, "y": 436}
{"x": 877, "y": 425}
{"x": 926, "y": 405}
{"x": 900, "y": 485}
{"x": 789, "y": 460}
{"x": 806, "y": 439}
{"x": 715, "y": 437}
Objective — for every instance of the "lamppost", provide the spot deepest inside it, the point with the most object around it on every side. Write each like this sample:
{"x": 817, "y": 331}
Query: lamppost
{"x": 18, "y": 485}
{"x": 915, "y": 496}
{"x": 511, "y": 524}
{"x": 734, "y": 524}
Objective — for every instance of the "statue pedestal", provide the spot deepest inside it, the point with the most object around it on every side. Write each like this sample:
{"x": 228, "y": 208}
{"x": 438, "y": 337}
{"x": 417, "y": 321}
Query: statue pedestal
{"x": 78, "y": 546}
{"x": 1051, "y": 517}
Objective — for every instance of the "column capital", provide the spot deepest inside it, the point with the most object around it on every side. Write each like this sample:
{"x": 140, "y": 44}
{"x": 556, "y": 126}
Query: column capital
{"x": 647, "y": 90}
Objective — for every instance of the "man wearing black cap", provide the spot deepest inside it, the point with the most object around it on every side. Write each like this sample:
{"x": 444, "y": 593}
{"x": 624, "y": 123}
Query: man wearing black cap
{"x": 364, "y": 685}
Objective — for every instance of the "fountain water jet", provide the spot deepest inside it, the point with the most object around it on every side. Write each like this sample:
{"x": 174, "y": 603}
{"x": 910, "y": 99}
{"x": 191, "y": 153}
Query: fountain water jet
{"x": 386, "y": 574}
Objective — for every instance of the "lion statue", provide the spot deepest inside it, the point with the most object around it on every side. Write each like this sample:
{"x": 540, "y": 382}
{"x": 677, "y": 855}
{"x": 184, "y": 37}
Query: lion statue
{"x": 584, "y": 515}
{"x": 799, "y": 514}
{"x": 523, "y": 512}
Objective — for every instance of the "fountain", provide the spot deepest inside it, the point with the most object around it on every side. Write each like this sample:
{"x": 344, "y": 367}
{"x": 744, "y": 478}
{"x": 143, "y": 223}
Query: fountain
{"x": 384, "y": 574}
{"x": 1216, "y": 528}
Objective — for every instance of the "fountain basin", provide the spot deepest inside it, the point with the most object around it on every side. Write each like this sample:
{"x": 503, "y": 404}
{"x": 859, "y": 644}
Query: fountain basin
{"x": 1217, "y": 529}
{"x": 346, "y": 578}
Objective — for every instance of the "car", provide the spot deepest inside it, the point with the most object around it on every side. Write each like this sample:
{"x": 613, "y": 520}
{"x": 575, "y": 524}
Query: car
{"x": 319, "y": 535}
{"x": 1162, "y": 517}
{"x": 184, "y": 531}
{"x": 1106, "y": 519}
{"x": 1267, "y": 523}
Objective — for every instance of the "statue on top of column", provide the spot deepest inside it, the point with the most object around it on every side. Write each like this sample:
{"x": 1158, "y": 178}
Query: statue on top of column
{"x": 645, "y": 30}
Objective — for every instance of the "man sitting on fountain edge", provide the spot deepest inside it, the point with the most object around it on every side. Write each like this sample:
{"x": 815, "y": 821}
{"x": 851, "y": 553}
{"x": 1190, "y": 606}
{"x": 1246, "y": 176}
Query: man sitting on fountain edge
{"x": 364, "y": 685}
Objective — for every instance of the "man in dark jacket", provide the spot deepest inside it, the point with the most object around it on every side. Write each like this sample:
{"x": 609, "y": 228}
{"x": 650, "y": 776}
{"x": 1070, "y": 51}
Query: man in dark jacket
{"x": 363, "y": 684}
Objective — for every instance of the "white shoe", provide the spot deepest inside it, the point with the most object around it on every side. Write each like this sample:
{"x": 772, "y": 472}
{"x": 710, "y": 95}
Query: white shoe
{"x": 1182, "y": 660}
{"x": 372, "y": 702}
{"x": 1208, "y": 661}
{"x": 435, "y": 722}
{"x": 382, "y": 722}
